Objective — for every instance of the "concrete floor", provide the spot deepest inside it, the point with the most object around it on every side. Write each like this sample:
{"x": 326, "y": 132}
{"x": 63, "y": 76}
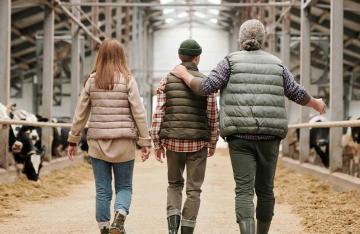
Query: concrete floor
{"x": 75, "y": 213}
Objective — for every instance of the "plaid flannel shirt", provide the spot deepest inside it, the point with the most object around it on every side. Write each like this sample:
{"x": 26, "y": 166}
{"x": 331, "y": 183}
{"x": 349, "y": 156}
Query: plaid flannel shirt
{"x": 178, "y": 145}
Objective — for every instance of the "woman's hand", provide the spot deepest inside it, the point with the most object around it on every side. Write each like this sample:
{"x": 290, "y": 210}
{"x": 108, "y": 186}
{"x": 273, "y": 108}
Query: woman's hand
{"x": 71, "y": 151}
{"x": 160, "y": 153}
{"x": 211, "y": 152}
{"x": 145, "y": 152}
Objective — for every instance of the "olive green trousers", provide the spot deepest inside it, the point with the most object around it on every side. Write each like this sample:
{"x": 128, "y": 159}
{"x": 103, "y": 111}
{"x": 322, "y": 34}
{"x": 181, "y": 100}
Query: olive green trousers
{"x": 195, "y": 164}
{"x": 254, "y": 165}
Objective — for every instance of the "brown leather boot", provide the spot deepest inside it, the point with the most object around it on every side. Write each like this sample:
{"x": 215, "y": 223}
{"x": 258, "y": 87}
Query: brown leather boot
{"x": 104, "y": 230}
{"x": 117, "y": 227}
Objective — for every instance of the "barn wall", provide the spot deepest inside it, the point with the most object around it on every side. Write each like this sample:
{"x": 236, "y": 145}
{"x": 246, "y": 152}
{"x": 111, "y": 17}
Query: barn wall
{"x": 215, "y": 44}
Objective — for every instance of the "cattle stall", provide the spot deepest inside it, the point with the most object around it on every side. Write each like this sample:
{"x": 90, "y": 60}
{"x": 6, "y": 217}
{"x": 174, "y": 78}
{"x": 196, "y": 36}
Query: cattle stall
{"x": 345, "y": 175}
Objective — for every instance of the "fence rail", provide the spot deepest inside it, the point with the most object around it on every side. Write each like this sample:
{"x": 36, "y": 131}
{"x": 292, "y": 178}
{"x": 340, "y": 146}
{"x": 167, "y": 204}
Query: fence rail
{"x": 35, "y": 124}
{"x": 327, "y": 124}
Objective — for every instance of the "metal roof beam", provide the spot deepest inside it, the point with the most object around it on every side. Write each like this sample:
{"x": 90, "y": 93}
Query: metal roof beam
{"x": 172, "y": 5}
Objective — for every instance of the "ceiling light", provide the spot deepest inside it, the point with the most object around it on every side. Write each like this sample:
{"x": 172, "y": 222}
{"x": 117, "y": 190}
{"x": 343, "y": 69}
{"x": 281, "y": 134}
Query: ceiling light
{"x": 199, "y": 14}
{"x": 213, "y": 20}
{"x": 165, "y": 1}
{"x": 169, "y": 20}
{"x": 215, "y": 1}
{"x": 168, "y": 11}
{"x": 214, "y": 11}
{"x": 182, "y": 15}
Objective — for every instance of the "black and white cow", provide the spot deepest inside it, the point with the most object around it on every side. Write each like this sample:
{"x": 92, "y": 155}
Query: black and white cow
{"x": 26, "y": 153}
{"x": 319, "y": 140}
{"x": 22, "y": 142}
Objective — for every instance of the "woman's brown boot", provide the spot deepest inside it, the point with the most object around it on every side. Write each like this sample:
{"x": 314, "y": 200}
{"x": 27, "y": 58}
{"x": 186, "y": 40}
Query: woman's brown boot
{"x": 117, "y": 227}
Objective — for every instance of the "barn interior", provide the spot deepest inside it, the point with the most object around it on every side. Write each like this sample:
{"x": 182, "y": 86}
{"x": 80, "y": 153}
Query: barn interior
{"x": 49, "y": 47}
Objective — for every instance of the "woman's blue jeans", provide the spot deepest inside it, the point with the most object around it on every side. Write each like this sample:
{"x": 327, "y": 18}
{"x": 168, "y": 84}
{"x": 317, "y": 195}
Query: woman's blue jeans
{"x": 123, "y": 173}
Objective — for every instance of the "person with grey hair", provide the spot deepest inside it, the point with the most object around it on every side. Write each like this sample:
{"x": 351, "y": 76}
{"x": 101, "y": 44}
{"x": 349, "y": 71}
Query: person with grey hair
{"x": 253, "y": 85}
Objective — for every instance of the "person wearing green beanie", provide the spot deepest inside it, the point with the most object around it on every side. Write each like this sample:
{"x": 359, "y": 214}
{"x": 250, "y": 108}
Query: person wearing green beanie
{"x": 190, "y": 47}
{"x": 185, "y": 124}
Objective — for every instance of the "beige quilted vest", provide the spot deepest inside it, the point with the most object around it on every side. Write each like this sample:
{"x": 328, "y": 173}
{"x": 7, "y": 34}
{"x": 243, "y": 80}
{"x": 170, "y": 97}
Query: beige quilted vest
{"x": 110, "y": 116}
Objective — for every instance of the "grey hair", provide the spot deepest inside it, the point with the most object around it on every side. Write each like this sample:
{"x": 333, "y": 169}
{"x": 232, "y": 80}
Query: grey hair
{"x": 251, "y": 35}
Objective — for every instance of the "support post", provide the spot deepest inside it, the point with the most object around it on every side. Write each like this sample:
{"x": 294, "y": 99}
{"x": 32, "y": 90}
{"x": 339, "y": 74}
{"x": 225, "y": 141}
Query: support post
{"x": 336, "y": 81}
{"x": 48, "y": 77}
{"x": 108, "y": 21}
{"x": 95, "y": 20}
{"x": 285, "y": 57}
{"x": 305, "y": 75}
{"x": 127, "y": 33}
{"x": 75, "y": 60}
{"x": 150, "y": 74}
{"x": 134, "y": 41}
{"x": 119, "y": 25}
{"x": 5, "y": 45}
{"x": 272, "y": 36}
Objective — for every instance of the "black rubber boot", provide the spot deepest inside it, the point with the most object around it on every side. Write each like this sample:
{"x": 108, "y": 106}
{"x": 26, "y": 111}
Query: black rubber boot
{"x": 173, "y": 223}
{"x": 247, "y": 226}
{"x": 262, "y": 227}
{"x": 117, "y": 227}
{"x": 104, "y": 230}
{"x": 187, "y": 230}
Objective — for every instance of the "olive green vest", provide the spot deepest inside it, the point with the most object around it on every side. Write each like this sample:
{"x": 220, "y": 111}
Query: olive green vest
{"x": 253, "y": 100}
{"x": 185, "y": 113}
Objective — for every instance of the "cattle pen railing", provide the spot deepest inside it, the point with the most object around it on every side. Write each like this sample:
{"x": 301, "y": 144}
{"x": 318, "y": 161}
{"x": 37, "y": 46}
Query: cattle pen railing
{"x": 335, "y": 153}
{"x": 333, "y": 175}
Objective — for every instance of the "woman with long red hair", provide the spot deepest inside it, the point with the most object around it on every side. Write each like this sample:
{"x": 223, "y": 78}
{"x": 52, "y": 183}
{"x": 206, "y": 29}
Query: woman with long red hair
{"x": 111, "y": 105}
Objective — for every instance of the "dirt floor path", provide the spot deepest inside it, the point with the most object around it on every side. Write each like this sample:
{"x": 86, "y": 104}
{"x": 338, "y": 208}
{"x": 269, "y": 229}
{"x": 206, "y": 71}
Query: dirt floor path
{"x": 75, "y": 213}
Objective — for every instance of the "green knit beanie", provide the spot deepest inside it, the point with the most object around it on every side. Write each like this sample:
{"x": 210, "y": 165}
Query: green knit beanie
{"x": 190, "y": 47}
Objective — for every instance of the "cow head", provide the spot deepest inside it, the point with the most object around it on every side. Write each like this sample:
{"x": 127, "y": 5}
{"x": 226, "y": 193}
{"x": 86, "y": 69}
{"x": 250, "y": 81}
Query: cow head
{"x": 33, "y": 165}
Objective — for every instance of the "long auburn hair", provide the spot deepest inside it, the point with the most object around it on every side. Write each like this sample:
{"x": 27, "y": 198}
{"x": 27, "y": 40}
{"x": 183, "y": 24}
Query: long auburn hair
{"x": 110, "y": 62}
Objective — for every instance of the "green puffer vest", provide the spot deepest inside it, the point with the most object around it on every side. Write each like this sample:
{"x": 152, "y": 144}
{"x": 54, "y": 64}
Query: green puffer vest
{"x": 253, "y": 101}
{"x": 186, "y": 113}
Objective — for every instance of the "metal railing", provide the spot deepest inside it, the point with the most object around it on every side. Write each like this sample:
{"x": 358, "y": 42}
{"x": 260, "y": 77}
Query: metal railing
{"x": 327, "y": 124}
{"x": 5, "y": 123}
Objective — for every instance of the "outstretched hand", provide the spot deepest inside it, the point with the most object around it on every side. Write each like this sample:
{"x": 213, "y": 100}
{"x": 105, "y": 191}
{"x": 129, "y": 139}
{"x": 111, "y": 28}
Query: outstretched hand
{"x": 317, "y": 104}
{"x": 159, "y": 154}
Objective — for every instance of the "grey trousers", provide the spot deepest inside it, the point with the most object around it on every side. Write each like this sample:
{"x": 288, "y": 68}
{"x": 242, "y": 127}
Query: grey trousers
{"x": 195, "y": 163}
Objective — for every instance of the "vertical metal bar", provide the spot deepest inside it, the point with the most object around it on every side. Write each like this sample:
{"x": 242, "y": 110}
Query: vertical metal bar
{"x": 336, "y": 81}
{"x": 48, "y": 77}
{"x": 75, "y": 59}
{"x": 127, "y": 32}
{"x": 134, "y": 43}
{"x": 150, "y": 69}
{"x": 38, "y": 81}
{"x": 5, "y": 45}
{"x": 95, "y": 19}
{"x": 305, "y": 74}
{"x": 272, "y": 36}
{"x": 119, "y": 25}
{"x": 285, "y": 57}
{"x": 108, "y": 21}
